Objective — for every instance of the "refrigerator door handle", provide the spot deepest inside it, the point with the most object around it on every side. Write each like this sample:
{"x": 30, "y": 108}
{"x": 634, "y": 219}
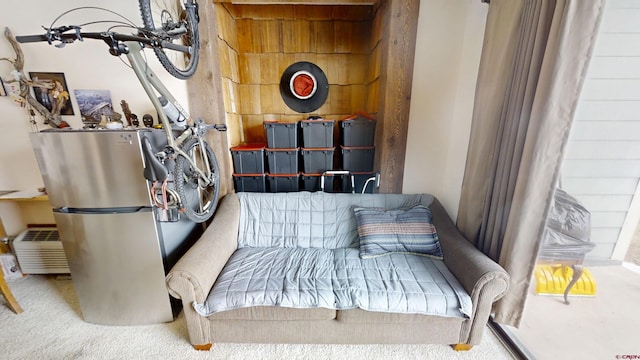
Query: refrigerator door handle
{"x": 111, "y": 210}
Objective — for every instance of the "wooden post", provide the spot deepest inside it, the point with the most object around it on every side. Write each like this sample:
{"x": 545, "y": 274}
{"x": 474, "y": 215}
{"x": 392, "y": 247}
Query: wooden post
{"x": 205, "y": 92}
{"x": 399, "y": 27}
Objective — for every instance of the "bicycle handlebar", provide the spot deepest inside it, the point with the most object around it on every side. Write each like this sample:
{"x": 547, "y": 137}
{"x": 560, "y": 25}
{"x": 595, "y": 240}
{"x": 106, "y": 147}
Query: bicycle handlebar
{"x": 31, "y": 38}
{"x": 113, "y": 39}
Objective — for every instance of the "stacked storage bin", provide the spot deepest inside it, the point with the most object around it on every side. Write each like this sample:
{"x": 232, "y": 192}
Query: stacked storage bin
{"x": 248, "y": 166}
{"x": 282, "y": 154}
{"x": 358, "y": 151}
{"x": 317, "y": 152}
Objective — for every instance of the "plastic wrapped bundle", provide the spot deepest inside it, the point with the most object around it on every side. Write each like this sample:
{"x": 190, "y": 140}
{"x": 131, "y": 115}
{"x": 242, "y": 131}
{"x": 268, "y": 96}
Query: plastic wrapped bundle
{"x": 568, "y": 229}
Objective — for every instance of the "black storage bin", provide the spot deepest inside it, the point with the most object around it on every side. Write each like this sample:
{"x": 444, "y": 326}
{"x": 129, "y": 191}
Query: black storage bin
{"x": 317, "y": 160}
{"x": 357, "y": 132}
{"x": 249, "y": 182}
{"x": 283, "y": 182}
{"x": 311, "y": 182}
{"x": 283, "y": 161}
{"x": 359, "y": 179}
{"x": 317, "y": 133}
{"x": 248, "y": 158}
{"x": 358, "y": 159}
{"x": 281, "y": 135}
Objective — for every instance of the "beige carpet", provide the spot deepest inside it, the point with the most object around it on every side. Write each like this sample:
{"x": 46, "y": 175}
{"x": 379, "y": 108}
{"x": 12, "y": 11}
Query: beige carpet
{"x": 51, "y": 327}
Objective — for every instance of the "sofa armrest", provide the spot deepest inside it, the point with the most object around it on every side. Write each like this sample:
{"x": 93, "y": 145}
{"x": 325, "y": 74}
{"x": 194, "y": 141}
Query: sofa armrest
{"x": 197, "y": 270}
{"x": 481, "y": 277}
{"x": 192, "y": 277}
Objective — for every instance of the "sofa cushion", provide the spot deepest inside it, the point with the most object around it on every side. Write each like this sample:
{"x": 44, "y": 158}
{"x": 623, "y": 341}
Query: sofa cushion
{"x": 409, "y": 231}
{"x": 364, "y": 316}
{"x": 398, "y": 283}
{"x": 275, "y": 313}
{"x": 311, "y": 220}
{"x": 287, "y": 277}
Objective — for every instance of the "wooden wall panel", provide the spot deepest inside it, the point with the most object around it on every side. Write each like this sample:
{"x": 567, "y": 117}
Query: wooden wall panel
{"x": 298, "y": 36}
{"x": 270, "y": 99}
{"x": 249, "y": 65}
{"x": 373, "y": 91}
{"x": 235, "y": 131}
{"x": 374, "y": 64}
{"x": 227, "y": 29}
{"x": 346, "y": 99}
{"x": 352, "y": 37}
{"x": 245, "y": 36}
{"x": 268, "y": 34}
{"x": 253, "y": 128}
{"x": 250, "y": 99}
{"x": 272, "y": 66}
{"x": 225, "y": 61}
{"x": 272, "y": 11}
{"x": 228, "y": 90}
{"x": 376, "y": 30}
{"x": 301, "y": 11}
{"x": 325, "y": 37}
{"x": 298, "y": 2}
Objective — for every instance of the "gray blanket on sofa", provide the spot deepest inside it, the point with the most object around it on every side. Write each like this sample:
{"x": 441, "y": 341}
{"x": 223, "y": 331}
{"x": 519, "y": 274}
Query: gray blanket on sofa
{"x": 336, "y": 279}
{"x": 272, "y": 268}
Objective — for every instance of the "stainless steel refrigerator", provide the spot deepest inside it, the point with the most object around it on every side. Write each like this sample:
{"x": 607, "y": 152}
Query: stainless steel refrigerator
{"x": 118, "y": 252}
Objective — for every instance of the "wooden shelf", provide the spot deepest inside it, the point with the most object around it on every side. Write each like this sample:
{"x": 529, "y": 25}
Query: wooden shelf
{"x": 22, "y": 196}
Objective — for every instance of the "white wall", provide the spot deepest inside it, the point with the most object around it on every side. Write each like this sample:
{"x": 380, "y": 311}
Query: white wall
{"x": 448, "y": 47}
{"x": 86, "y": 65}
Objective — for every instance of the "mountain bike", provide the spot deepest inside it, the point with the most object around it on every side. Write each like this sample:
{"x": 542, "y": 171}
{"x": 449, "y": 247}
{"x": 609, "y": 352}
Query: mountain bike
{"x": 172, "y": 33}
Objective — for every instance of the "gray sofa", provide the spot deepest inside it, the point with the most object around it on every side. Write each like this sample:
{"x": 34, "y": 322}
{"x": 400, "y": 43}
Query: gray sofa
{"x": 325, "y": 223}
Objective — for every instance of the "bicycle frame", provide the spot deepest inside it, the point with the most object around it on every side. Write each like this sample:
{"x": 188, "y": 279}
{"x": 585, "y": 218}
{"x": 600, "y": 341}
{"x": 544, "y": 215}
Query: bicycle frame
{"x": 152, "y": 84}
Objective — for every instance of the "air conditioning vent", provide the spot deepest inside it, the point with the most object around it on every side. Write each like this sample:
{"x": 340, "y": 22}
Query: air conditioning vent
{"x": 39, "y": 251}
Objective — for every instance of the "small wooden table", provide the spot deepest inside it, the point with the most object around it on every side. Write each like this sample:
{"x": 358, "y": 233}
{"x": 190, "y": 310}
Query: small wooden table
{"x": 4, "y": 288}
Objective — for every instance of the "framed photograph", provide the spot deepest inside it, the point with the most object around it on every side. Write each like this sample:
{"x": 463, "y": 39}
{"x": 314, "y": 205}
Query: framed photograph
{"x": 93, "y": 104}
{"x": 46, "y": 96}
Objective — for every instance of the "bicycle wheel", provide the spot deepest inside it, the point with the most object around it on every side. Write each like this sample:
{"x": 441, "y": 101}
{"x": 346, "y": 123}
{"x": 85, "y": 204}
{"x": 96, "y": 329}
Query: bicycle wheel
{"x": 199, "y": 200}
{"x": 164, "y": 17}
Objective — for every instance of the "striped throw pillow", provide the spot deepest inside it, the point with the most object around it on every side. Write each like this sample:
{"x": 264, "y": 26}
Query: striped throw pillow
{"x": 408, "y": 231}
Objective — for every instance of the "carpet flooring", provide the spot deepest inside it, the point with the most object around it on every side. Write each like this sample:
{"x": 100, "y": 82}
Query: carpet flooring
{"x": 51, "y": 327}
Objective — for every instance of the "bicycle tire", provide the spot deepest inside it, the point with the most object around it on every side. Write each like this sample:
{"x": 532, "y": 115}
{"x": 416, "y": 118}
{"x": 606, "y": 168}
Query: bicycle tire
{"x": 152, "y": 12}
{"x": 199, "y": 202}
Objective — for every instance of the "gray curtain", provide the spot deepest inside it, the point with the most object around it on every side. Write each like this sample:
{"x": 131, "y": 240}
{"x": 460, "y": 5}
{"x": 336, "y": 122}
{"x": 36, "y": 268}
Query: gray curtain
{"x": 533, "y": 64}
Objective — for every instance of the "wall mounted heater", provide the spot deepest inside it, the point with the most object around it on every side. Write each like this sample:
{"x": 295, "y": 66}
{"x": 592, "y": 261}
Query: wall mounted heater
{"x": 39, "y": 251}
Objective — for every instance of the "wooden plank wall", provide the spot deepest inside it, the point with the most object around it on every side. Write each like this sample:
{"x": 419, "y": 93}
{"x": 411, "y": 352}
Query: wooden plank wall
{"x": 260, "y": 42}
{"x": 602, "y": 164}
